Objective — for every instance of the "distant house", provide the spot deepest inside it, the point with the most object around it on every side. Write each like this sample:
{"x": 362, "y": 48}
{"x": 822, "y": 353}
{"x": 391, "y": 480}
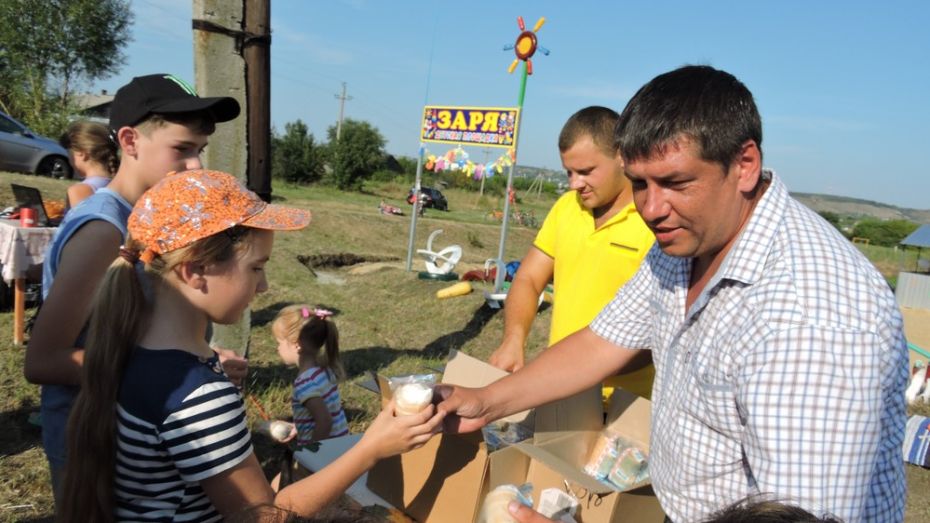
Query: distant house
{"x": 94, "y": 106}
{"x": 913, "y": 287}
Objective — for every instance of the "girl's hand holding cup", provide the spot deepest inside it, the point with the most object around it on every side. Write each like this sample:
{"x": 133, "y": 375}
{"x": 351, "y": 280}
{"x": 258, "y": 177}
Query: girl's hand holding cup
{"x": 390, "y": 435}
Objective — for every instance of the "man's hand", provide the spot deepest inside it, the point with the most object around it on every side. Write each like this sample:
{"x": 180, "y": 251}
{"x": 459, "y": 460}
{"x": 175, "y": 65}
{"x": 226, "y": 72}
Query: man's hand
{"x": 464, "y": 409}
{"x": 524, "y": 514}
{"x": 508, "y": 357}
{"x": 236, "y": 367}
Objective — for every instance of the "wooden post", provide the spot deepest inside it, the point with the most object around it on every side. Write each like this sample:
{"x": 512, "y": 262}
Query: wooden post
{"x": 19, "y": 310}
{"x": 257, "y": 53}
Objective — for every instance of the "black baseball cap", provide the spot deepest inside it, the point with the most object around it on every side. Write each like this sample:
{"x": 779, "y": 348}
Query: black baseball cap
{"x": 168, "y": 95}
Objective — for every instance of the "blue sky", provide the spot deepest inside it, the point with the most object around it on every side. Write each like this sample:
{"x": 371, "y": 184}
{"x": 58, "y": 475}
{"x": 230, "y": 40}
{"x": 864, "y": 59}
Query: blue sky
{"x": 843, "y": 87}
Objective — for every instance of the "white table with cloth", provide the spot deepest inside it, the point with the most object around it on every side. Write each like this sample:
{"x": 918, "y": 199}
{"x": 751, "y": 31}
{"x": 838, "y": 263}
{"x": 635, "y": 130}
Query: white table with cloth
{"x": 21, "y": 249}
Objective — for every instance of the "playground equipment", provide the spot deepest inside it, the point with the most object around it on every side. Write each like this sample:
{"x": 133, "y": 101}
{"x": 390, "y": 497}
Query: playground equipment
{"x": 443, "y": 261}
{"x": 495, "y": 299}
{"x": 459, "y": 289}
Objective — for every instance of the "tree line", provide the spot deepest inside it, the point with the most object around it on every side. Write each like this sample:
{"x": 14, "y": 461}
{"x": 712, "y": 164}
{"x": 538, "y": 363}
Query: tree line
{"x": 359, "y": 156}
{"x": 885, "y": 233}
{"x": 51, "y": 48}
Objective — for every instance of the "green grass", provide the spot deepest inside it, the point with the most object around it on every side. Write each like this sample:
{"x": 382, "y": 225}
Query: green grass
{"x": 390, "y": 321}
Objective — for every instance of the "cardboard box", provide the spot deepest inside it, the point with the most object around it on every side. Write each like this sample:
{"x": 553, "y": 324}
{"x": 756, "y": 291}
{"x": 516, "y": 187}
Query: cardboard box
{"x": 447, "y": 479}
{"x": 557, "y": 462}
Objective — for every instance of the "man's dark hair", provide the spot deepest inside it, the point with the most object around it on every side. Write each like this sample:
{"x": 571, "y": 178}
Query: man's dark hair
{"x": 758, "y": 510}
{"x": 708, "y": 106}
{"x": 596, "y": 122}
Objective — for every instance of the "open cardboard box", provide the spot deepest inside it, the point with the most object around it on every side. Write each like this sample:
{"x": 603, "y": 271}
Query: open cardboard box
{"x": 447, "y": 479}
{"x": 558, "y": 459}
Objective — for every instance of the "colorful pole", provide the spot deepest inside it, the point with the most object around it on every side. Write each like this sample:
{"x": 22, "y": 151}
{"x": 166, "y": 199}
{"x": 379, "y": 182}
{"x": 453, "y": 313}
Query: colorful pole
{"x": 499, "y": 278}
{"x": 525, "y": 47}
{"x": 415, "y": 208}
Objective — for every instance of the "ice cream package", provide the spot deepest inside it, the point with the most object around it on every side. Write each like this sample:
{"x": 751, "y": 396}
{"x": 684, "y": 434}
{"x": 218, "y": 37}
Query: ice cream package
{"x": 617, "y": 462}
{"x": 412, "y": 393}
{"x": 494, "y": 508}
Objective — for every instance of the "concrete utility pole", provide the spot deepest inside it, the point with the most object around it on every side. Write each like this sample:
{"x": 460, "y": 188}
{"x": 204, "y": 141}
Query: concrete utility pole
{"x": 342, "y": 104}
{"x": 219, "y": 70}
{"x": 231, "y": 58}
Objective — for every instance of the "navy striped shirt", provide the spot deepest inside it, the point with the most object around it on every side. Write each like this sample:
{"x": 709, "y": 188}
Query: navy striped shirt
{"x": 180, "y": 421}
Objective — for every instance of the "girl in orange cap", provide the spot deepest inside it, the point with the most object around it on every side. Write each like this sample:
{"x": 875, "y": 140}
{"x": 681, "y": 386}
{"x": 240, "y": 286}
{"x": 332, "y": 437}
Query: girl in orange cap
{"x": 158, "y": 431}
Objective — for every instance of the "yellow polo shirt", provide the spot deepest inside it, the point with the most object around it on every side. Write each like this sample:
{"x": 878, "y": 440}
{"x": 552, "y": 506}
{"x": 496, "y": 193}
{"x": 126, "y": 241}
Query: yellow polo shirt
{"x": 590, "y": 267}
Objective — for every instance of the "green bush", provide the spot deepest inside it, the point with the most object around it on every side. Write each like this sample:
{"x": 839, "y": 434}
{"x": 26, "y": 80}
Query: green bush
{"x": 886, "y": 233}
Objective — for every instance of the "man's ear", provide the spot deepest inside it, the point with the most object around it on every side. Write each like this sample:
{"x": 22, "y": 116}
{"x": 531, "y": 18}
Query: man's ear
{"x": 748, "y": 166}
{"x": 192, "y": 274}
{"x": 127, "y": 137}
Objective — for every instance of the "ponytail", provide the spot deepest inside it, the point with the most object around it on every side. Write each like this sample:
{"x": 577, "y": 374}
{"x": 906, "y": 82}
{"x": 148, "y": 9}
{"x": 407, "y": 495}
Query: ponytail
{"x": 316, "y": 333}
{"x": 332, "y": 361}
{"x": 117, "y": 322}
{"x": 92, "y": 139}
{"x": 115, "y": 326}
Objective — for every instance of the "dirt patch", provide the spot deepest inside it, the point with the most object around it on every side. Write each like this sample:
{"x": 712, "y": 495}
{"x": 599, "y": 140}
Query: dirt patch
{"x": 368, "y": 268}
{"x": 338, "y": 260}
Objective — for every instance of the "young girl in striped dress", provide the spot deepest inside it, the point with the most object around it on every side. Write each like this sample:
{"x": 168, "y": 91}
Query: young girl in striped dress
{"x": 303, "y": 332}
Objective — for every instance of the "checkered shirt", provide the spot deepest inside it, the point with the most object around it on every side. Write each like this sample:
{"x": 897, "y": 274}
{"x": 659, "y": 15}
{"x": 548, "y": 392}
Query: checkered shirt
{"x": 786, "y": 377}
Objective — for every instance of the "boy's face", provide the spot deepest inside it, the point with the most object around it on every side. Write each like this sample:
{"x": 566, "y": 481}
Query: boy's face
{"x": 171, "y": 147}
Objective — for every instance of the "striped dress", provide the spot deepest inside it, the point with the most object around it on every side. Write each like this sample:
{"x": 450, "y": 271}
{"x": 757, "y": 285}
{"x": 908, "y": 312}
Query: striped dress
{"x": 317, "y": 382}
{"x": 180, "y": 421}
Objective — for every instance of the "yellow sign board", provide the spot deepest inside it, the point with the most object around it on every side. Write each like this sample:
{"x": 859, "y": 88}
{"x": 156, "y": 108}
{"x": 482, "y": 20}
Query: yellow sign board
{"x": 483, "y": 126}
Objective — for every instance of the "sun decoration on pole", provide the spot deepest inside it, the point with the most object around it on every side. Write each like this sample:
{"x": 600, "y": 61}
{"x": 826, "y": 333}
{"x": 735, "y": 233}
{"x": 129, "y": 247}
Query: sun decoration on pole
{"x": 525, "y": 46}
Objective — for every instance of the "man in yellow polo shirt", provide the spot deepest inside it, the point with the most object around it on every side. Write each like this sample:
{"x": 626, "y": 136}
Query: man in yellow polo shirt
{"x": 591, "y": 243}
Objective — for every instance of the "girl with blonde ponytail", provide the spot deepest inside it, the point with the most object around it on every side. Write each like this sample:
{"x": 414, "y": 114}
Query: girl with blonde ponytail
{"x": 158, "y": 431}
{"x": 302, "y": 332}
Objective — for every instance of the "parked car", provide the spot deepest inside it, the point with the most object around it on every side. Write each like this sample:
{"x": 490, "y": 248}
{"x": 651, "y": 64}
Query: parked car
{"x": 430, "y": 197}
{"x": 22, "y": 150}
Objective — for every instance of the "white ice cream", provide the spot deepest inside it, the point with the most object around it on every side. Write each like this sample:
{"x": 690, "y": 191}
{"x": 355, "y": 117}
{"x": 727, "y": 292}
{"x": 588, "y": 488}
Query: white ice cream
{"x": 411, "y": 398}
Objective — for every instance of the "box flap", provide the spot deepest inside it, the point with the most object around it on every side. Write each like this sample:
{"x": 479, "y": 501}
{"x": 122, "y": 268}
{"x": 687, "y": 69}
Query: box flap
{"x": 571, "y": 472}
{"x": 583, "y": 411}
{"x": 507, "y": 467}
{"x": 466, "y": 371}
{"x": 370, "y": 383}
{"x": 630, "y": 416}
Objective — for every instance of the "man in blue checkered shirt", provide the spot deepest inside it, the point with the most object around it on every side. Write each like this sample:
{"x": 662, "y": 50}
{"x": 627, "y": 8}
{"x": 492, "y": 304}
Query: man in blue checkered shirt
{"x": 780, "y": 357}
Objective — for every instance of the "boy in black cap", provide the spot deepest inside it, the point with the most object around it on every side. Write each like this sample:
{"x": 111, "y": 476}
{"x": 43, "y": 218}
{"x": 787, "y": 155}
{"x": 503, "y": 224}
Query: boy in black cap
{"x": 160, "y": 125}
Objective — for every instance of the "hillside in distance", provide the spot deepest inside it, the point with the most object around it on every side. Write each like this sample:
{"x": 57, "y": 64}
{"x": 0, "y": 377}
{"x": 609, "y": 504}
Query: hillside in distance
{"x": 855, "y": 207}
{"x": 842, "y": 205}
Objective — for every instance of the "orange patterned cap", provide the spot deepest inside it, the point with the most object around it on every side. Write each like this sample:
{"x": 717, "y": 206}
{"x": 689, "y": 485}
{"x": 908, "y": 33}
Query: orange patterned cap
{"x": 191, "y": 205}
